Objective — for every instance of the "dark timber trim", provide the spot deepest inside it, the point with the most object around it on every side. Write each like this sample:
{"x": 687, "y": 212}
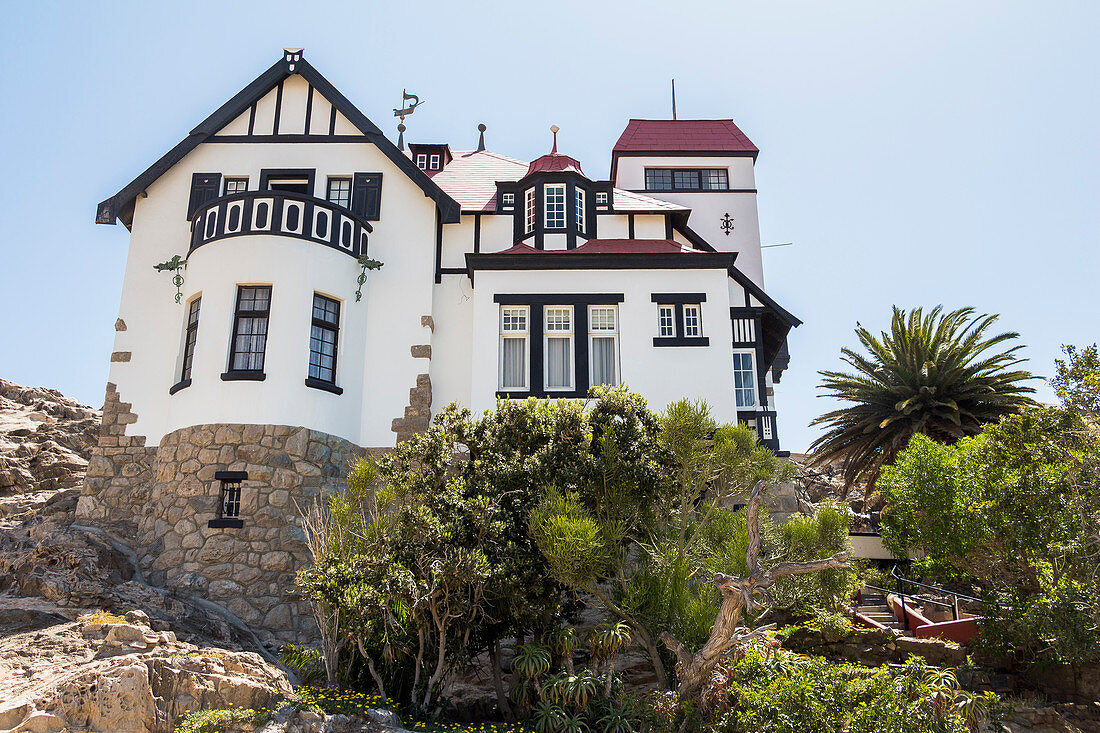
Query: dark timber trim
{"x": 616, "y": 154}
{"x": 673, "y": 298}
{"x": 182, "y": 384}
{"x": 231, "y": 475}
{"x": 323, "y": 385}
{"x": 230, "y": 523}
{"x": 566, "y": 260}
{"x": 681, "y": 341}
{"x": 241, "y": 375}
{"x": 266, "y": 174}
{"x": 121, "y": 205}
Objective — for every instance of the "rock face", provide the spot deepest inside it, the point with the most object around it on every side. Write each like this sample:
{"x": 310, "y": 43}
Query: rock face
{"x": 118, "y": 674}
{"x": 45, "y": 442}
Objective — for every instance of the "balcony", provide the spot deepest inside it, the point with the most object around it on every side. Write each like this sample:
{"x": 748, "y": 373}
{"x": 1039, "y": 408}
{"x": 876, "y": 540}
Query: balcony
{"x": 764, "y": 424}
{"x": 283, "y": 214}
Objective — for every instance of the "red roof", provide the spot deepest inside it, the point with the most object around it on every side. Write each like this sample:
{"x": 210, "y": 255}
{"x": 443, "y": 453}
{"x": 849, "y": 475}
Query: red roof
{"x": 609, "y": 247}
{"x": 683, "y": 135}
{"x": 554, "y": 162}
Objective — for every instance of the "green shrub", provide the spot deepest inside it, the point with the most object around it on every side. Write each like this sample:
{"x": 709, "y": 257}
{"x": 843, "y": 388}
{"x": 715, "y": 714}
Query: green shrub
{"x": 802, "y": 538}
{"x": 212, "y": 721}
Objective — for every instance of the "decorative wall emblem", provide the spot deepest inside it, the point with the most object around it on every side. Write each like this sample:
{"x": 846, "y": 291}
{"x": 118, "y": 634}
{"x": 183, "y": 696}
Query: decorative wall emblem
{"x": 175, "y": 265}
{"x": 727, "y": 224}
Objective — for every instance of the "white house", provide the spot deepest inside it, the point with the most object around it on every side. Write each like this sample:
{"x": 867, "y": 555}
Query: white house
{"x": 246, "y": 379}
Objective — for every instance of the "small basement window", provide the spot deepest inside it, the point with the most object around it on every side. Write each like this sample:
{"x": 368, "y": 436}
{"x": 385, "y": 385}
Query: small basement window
{"x": 229, "y": 500}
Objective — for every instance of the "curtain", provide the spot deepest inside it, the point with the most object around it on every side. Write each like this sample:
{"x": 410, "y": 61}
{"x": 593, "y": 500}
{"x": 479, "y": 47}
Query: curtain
{"x": 559, "y": 363}
{"x": 514, "y": 353}
{"x": 603, "y": 360}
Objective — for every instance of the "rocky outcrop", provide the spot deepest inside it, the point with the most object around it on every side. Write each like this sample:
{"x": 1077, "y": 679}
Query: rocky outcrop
{"x": 120, "y": 674}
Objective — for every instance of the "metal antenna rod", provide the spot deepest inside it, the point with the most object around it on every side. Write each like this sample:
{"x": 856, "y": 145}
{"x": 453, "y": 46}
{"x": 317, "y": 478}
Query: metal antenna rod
{"x": 673, "y": 99}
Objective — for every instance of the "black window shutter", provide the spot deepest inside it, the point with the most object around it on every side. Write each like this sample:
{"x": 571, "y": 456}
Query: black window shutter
{"x": 366, "y": 195}
{"x": 204, "y": 187}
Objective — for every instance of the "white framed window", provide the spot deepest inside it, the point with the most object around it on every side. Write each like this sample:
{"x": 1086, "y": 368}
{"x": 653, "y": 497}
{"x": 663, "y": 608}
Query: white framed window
{"x": 514, "y": 343}
{"x": 579, "y": 209}
{"x": 558, "y": 347}
{"x": 508, "y": 199}
{"x": 422, "y": 161}
{"x": 235, "y": 185}
{"x": 339, "y": 191}
{"x": 435, "y": 162}
{"x": 666, "y": 321}
{"x": 693, "y": 324}
{"x": 603, "y": 347}
{"x": 744, "y": 379}
{"x": 601, "y": 198}
{"x": 555, "y": 206}
{"x": 529, "y": 210}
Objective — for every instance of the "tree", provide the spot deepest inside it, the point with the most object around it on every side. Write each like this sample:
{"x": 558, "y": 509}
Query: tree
{"x": 934, "y": 374}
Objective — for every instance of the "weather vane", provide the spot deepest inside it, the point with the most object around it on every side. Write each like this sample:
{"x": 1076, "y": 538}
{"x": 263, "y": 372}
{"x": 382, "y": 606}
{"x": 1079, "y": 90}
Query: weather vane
{"x": 402, "y": 113}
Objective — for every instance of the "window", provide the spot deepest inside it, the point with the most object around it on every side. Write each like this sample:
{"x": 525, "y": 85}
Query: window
{"x": 422, "y": 161}
{"x": 603, "y": 331}
{"x": 435, "y": 162}
{"x": 555, "y": 207}
{"x": 514, "y": 335}
{"x": 509, "y": 199}
{"x": 291, "y": 184}
{"x": 579, "y": 209}
{"x": 744, "y": 379}
{"x": 230, "y": 504}
{"x": 250, "y": 329}
{"x": 687, "y": 179}
{"x": 529, "y": 206}
{"x": 666, "y": 321}
{"x": 658, "y": 179}
{"x": 235, "y": 185}
{"x": 189, "y": 340}
{"x": 692, "y": 325}
{"x": 558, "y": 331}
{"x": 322, "y": 339}
{"x": 339, "y": 192}
{"x": 601, "y": 198}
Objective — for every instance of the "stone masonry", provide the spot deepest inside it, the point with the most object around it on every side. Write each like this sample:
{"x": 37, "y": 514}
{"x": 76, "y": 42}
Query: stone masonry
{"x": 418, "y": 413}
{"x": 249, "y": 570}
{"x": 120, "y": 471}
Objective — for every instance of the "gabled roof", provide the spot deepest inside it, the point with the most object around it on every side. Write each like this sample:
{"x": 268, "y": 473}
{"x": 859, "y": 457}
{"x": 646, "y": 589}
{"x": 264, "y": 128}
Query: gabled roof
{"x": 471, "y": 177}
{"x": 636, "y": 202}
{"x": 121, "y": 205}
{"x": 694, "y": 136}
{"x": 609, "y": 247}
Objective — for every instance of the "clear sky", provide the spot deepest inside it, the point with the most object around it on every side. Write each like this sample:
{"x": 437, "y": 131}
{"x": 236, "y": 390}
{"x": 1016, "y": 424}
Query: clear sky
{"x": 915, "y": 152}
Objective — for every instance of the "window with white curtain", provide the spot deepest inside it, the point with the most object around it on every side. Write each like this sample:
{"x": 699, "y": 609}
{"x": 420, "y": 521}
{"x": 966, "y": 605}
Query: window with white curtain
{"x": 603, "y": 335}
{"x": 579, "y": 209}
{"x": 558, "y": 336}
{"x": 693, "y": 326}
{"x": 555, "y": 206}
{"x": 744, "y": 379}
{"x": 514, "y": 337}
{"x": 666, "y": 321}
{"x": 529, "y": 210}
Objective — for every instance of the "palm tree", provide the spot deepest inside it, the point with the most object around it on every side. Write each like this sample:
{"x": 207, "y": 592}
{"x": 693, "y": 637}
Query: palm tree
{"x": 935, "y": 374}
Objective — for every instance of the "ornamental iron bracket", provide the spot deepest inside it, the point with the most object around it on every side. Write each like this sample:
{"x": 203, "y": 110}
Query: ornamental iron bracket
{"x": 176, "y": 265}
{"x": 366, "y": 263}
{"x": 726, "y": 224}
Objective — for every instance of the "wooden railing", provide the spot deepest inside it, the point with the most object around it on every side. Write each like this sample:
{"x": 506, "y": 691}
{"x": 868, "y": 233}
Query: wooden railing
{"x": 280, "y": 213}
{"x": 765, "y": 427}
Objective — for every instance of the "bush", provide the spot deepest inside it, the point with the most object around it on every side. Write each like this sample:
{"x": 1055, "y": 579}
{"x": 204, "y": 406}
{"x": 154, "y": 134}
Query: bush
{"x": 803, "y": 538}
{"x": 213, "y": 721}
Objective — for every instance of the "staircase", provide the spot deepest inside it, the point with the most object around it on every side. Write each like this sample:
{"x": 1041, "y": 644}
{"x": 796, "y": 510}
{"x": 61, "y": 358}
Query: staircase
{"x": 874, "y": 607}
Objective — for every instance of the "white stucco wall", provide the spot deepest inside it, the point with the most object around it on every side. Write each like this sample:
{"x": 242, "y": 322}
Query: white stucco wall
{"x": 662, "y": 374}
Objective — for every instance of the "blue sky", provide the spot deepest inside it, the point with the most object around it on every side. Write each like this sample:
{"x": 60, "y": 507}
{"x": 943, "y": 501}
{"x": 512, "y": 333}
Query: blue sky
{"x": 915, "y": 153}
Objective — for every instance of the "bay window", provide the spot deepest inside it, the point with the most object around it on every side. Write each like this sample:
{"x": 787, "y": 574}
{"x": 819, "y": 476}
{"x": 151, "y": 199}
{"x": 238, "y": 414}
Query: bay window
{"x": 579, "y": 209}
{"x": 558, "y": 335}
{"x": 323, "y": 333}
{"x": 514, "y": 337}
{"x": 555, "y": 206}
{"x": 529, "y": 210}
{"x": 246, "y": 350}
{"x": 603, "y": 334}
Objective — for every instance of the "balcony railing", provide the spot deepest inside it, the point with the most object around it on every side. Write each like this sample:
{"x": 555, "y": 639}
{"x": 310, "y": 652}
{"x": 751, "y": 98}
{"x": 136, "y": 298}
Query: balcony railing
{"x": 280, "y": 213}
{"x": 764, "y": 423}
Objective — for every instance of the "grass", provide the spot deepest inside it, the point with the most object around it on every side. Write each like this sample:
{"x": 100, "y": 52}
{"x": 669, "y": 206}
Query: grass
{"x": 105, "y": 617}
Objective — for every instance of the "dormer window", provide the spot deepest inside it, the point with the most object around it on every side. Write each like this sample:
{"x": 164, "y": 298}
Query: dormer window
{"x": 579, "y": 209}
{"x": 601, "y": 198}
{"x": 434, "y": 164}
{"x": 509, "y": 199}
{"x": 555, "y": 206}
{"x": 422, "y": 161}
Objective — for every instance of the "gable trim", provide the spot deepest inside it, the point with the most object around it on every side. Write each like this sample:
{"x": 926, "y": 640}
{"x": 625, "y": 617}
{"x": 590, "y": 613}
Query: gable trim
{"x": 121, "y": 205}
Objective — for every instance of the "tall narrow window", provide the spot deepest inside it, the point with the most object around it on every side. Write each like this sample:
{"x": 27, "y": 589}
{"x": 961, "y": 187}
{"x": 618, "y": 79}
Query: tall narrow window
{"x": 666, "y": 321}
{"x": 322, "y": 339}
{"x": 235, "y": 185}
{"x": 529, "y": 210}
{"x": 555, "y": 207}
{"x": 230, "y": 503}
{"x": 189, "y": 339}
{"x": 339, "y": 192}
{"x": 250, "y": 329}
{"x": 579, "y": 209}
{"x": 514, "y": 334}
{"x": 744, "y": 379}
{"x": 559, "y": 347}
{"x": 692, "y": 324}
{"x": 603, "y": 330}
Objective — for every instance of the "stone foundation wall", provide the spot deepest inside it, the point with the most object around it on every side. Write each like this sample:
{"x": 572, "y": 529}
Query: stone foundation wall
{"x": 249, "y": 570}
{"x": 120, "y": 470}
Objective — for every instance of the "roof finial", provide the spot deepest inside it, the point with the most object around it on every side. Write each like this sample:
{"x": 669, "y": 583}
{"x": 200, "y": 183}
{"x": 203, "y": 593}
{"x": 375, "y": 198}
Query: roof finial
{"x": 673, "y": 99}
{"x": 401, "y": 136}
{"x": 481, "y": 137}
{"x": 554, "y": 129}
